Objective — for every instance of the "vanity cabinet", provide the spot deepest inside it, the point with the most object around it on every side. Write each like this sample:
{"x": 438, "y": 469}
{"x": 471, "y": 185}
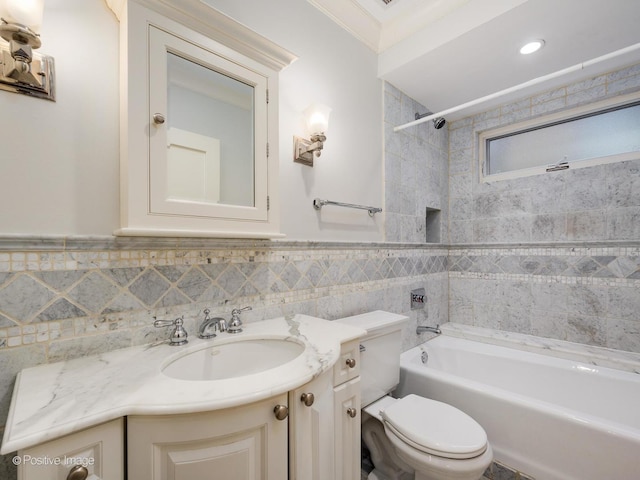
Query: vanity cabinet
{"x": 187, "y": 429}
{"x": 99, "y": 449}
{"x": 318, "y": 439}
{"x": 199, "y": 123}
{"x": 347, "y": 423}
{"x": 241, "y": 443}
{"x": 324, "y": 432}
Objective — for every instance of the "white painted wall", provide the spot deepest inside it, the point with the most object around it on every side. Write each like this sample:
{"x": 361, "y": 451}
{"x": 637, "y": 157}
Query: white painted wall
{"x": 59, "y": 161}
{"x": 335, "y": 69}
{"x": 64, "y": 179}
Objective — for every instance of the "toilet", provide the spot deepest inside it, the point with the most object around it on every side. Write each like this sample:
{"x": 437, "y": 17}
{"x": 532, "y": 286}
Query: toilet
{"x": 411, "y": 437}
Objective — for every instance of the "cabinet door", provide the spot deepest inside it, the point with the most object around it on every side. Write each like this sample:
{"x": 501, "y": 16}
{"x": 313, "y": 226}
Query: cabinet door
{"x": 100, "y": 449}
{"x": 218, "y": 111}
{"x": 347, "y": 430}
{"x": 311, "y": 432}
{"x": 243, "y": 443}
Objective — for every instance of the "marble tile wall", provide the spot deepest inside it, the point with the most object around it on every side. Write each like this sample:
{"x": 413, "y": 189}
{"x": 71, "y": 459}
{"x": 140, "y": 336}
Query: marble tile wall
{"x": 588, "y": 204}
{"x": 557, "y": 284}
{"x": 416, "y": 173}
{"x": 60, "y": 301}
{"x": 587, "y": 295}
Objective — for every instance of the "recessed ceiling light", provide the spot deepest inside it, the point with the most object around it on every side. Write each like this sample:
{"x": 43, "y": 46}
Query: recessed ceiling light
{"x": 531, "y": 47}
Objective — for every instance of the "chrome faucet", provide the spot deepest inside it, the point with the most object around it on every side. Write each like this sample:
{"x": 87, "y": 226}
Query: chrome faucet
{"x": 178, "y": 335}
{"x": 211, "y": 323}
{"x": 422, "y": 329}
{"x": 235, "y": 326}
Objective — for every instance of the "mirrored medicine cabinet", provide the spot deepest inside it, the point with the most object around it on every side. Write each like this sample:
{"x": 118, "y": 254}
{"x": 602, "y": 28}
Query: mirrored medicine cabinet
{"x": 199, "y": 123}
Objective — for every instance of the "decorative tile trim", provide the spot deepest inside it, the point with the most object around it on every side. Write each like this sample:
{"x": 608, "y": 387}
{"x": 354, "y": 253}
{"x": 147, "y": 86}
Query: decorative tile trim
{"x": 538, "y": 279}
{"x": 605, "y": 263}
{"x": 53, "y": 243}
{"x": 49, "y": 295}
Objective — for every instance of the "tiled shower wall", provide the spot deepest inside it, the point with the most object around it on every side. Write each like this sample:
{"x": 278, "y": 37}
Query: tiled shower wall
{"x": 600, "y": 203}
{"x": 588, "y": 295}
{"x": 555, "y": 255}
{"x": 60, "y": 300}
{"x": 416, "y": 173}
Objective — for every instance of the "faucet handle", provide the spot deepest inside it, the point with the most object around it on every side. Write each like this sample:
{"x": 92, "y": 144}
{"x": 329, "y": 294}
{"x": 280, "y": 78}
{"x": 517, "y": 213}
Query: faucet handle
{"x": 236, "y": 311}
{"x": 179, "y": 335}
{"x": 235, "y": 326}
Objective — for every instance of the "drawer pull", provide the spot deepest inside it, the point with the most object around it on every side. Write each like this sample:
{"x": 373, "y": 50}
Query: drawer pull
{"x": 281, "y": 412}
{"x": 78, "y": 472}
{"x": 352, "y": 412}
{"x": 351, "y": 362}
{"x": 307, "y": 399}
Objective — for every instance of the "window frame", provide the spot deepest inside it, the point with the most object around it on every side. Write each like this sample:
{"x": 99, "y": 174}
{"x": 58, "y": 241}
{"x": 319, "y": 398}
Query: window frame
{"x": 547, "y": 121}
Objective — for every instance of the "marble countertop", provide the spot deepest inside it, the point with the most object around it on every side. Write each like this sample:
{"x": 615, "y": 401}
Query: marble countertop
{"x": 57, "y": 399}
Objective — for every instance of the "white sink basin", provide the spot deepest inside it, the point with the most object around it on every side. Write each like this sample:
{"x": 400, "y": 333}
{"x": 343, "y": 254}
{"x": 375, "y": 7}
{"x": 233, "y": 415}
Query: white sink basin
{"x": 232, "y": 360}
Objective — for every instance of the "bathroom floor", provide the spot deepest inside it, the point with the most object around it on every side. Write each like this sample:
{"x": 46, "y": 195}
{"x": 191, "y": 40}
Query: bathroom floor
{"x": 364, "y": 474}
{"x": 496, "y": 471}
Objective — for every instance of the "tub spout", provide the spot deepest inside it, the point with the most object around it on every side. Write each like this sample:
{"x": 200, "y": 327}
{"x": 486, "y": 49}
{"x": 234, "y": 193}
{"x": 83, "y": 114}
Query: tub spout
{"x": 422, "y": 329}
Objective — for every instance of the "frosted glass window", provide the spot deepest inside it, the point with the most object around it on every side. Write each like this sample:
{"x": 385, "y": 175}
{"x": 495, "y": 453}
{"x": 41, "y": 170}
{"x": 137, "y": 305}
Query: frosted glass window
{"x": 606, "y": 133}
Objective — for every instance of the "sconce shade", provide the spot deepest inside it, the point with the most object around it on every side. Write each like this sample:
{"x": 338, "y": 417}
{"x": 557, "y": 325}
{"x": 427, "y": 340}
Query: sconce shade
{"x": 317, "y": 119}
{"x": 317, "y": 116}
{"x": 27, "y": 13}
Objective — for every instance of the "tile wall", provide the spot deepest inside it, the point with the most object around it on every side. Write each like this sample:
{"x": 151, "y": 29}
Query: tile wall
{"x": 600, "y": 203}
{"x": 588, "y": 295}
{"x": 416, "y": 173}
{"x": 554, "y": 255}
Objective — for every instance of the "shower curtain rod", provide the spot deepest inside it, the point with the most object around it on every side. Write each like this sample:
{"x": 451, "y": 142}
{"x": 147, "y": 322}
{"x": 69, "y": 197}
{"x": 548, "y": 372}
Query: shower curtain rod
{"x": 535, "y": 81}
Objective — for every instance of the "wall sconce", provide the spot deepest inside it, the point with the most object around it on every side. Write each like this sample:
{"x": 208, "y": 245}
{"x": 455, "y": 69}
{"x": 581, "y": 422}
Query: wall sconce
{"x": 21, "y": 70}
{"x": 317, "y": 118}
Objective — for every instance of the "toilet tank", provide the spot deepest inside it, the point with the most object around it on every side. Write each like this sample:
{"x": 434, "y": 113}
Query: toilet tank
{"x": 380, "y": 351}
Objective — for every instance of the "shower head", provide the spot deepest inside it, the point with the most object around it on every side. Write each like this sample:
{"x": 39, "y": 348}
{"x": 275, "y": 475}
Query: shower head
{"x": 438, "y": 122}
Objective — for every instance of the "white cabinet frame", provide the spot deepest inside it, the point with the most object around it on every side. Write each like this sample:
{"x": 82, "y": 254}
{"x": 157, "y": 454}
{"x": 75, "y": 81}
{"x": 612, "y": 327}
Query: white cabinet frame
{"x": 222, "y": 41}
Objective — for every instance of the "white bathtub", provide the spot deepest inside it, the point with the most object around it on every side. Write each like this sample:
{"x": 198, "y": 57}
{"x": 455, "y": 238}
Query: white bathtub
{"x": 551, "y": 418}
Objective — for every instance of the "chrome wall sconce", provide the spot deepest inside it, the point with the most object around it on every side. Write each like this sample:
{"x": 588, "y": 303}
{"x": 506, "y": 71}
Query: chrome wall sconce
{"x": 22, "y": 70}
{"x": 317, "y": 120}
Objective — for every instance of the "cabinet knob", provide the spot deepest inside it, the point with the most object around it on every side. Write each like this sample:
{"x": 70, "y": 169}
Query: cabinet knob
{"x": 78, "y": 472}
{"x": 351, "y": 362}
{"x": 158, "y": 118}
{"x": 352, "y": 412}
{"x": 307, "y": 399}
{"x": 281, "y": 412}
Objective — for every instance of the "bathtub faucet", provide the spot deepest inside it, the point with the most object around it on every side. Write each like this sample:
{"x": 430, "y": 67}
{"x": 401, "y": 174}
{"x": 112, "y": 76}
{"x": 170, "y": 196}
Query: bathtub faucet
{"x": 422, "y": 329}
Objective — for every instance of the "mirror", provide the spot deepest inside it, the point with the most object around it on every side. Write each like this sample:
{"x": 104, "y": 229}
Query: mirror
{"x": 210, "y": 135}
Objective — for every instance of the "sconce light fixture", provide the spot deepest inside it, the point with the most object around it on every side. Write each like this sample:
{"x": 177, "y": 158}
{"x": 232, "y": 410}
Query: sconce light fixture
{"x": 317, "y": 119}
{"x": 22, "y": 70}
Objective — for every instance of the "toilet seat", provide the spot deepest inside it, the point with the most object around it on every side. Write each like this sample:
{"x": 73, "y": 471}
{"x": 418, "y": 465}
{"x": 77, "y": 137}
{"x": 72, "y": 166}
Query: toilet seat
{"x": 435, "y": 428}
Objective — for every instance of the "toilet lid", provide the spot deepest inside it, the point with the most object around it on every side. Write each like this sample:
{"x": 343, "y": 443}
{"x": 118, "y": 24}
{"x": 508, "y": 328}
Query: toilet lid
{"x": 436, "y": 428}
